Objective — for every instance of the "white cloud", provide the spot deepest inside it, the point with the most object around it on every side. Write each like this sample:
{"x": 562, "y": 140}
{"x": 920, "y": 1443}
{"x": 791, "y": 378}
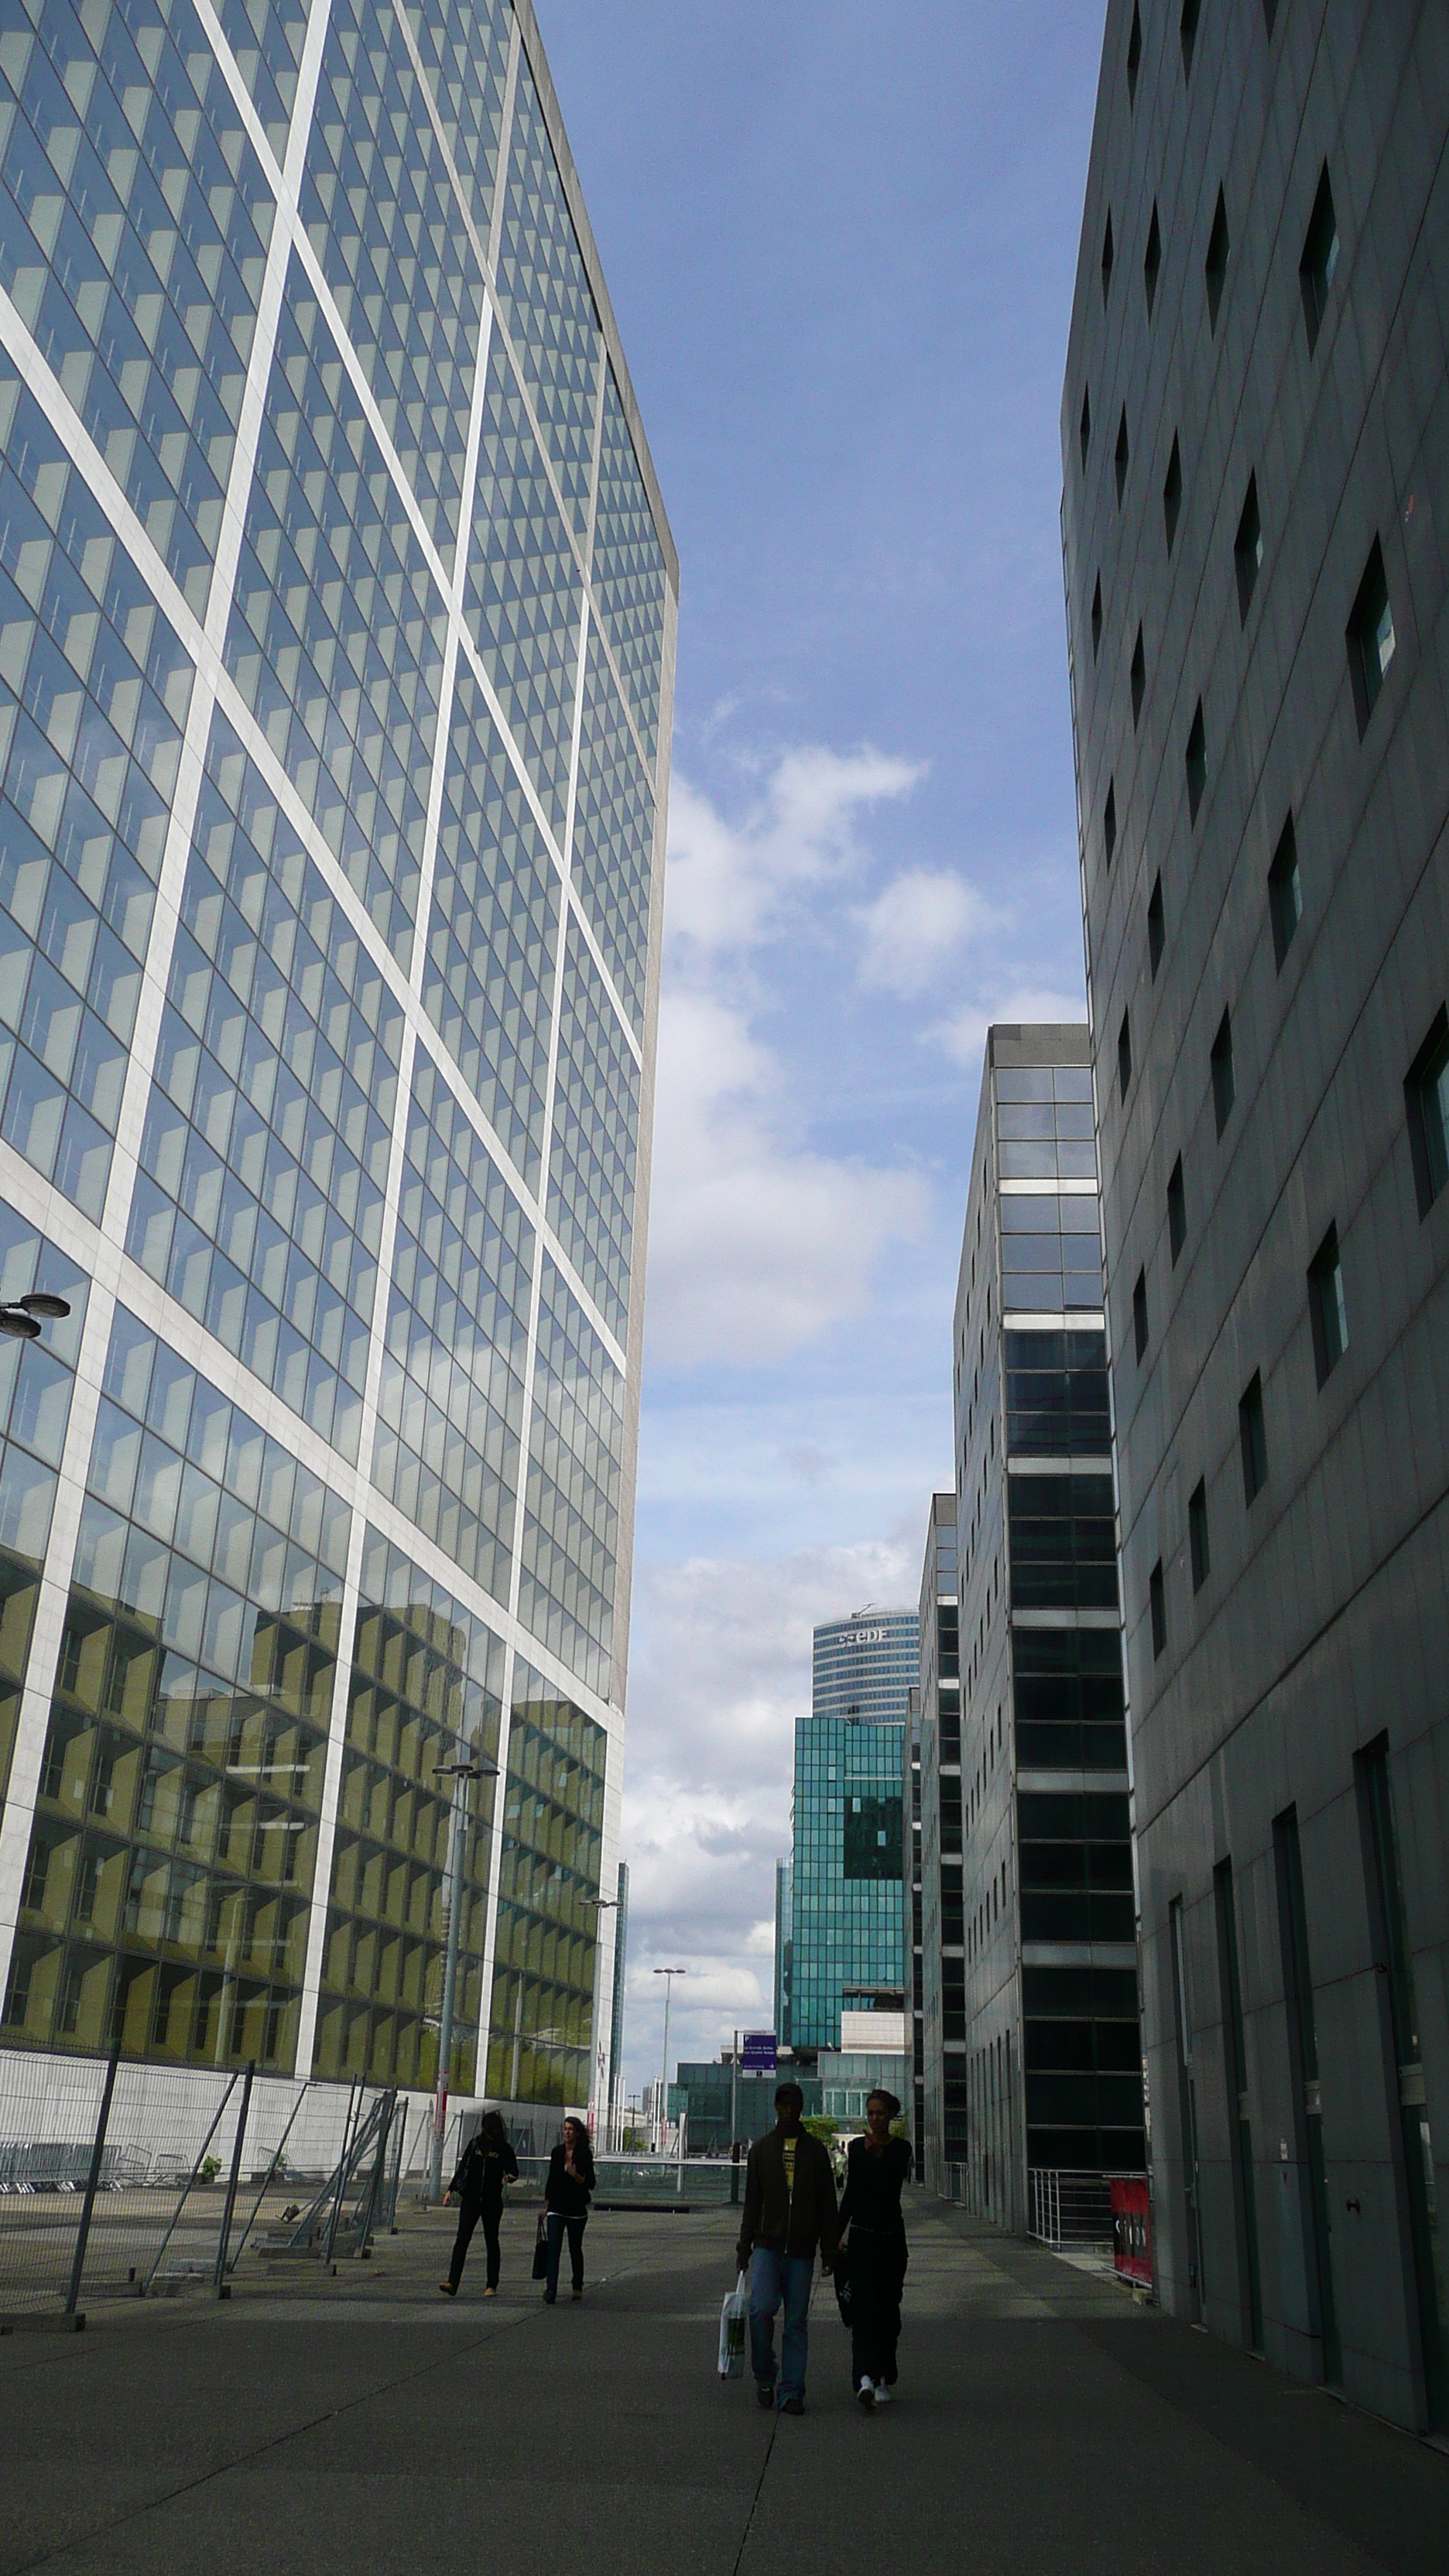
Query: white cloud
{"x": 963, "y": 1034}
{"x": 730, "y": 884}
{"x": 914, "y": 931}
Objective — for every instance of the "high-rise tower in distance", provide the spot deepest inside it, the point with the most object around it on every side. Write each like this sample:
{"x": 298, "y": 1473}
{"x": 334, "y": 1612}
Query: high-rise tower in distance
{"x": 338, "y": 629}
{"x": 848, "y": 1950}
{"x": 1255, "y": 431}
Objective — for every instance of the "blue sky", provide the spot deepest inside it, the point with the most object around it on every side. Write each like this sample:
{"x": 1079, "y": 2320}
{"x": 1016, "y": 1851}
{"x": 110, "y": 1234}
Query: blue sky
{"x": 840, "y": 242}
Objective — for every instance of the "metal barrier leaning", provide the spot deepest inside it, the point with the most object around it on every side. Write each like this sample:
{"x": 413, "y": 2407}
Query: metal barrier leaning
{"x": 1069, "y": 2210}
{"x": 339, "y": 2219}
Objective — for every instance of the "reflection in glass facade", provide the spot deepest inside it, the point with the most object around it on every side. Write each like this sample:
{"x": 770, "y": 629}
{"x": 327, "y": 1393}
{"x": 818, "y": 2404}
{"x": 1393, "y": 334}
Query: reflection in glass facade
{"x": 336, "y": 648}
{"x": 847, "y": 1899}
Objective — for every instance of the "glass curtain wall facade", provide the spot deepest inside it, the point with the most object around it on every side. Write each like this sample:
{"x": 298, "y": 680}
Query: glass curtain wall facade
{"x": 848, "y": 1899}
{"x": 337, "y": 609}
{"x": 1045, "y": 1935}
{"x": 1258, "y": 617}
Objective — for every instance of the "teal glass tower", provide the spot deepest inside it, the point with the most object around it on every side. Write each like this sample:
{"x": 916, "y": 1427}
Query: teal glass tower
{"x": 848, "y": 1945}
{"x": 337, "y": 606}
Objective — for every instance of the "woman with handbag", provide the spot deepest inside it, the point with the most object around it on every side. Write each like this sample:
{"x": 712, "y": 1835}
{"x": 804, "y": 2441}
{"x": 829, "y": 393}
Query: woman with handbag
{"x": 566, "y": 2205}
{"x": 486, "y": 2165}
{"x": 874, "y": 2259}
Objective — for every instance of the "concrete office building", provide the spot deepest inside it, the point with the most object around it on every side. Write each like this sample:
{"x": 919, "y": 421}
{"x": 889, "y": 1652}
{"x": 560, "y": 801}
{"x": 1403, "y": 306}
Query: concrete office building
{"x": 338, "y": 619}
{"x": 1255, "y": 438}
{"x": 1044, "y": 1938}
{"x": 938, "y": 2003}
{"x": 847, "y": 1909}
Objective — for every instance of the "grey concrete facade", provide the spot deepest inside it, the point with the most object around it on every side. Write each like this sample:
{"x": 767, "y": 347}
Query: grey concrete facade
{"x": 931, "y": 1769}
{"x": 1255, "y": 432}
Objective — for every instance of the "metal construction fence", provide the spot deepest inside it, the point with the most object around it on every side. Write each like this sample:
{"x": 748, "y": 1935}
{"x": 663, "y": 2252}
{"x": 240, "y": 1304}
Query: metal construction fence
{"x": 120, "y": 2178}
{"x": 647, "y": 2182}
{"x": 1069, "y": 2210}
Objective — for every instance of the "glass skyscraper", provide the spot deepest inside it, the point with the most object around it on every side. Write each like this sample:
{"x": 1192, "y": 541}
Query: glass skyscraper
{"x": 848, "y": 1945}
{"x": 337, "y": 610}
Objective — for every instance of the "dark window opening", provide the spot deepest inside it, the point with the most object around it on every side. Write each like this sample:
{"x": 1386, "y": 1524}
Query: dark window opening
{"x": 1320, "y": 259}
{"x": 1156, "y": 925}
{"x": 1224, "y": 1087}
{"x": 1157, "y": 1603}
{"x": 1056, "y": 1394}
{"x": 1196, "y": 762}
{"x": 1215, "y": 267}
{"x": 1124, "y": 1055}
{"x": 1270, "y": 16}
{"x": 1253, "y": 1438}
{"x": 1240, "y": 2130}
{"x": 1109, "y": 820}
{"x": 1172, "y": 493}
{"x": 1097, "y": 618}
{"x": 1063, "y": 1533}
{"x": 1285, "y": 893}
{"x": 1139, "y": 677}
{"x": 873, "y": 1837}
{"x": 1197, "y": 1535}
{"x": 1248, "y": 549}
{"x": 1068, "y": 1699}
{"x": 1108, "y": 255}
{"x": 1139, "y": 1315}
{"x": 1327, "y": 1306}
{"x": 1426, "y": 1093}
{"x": 1086, "y": 424}
{"x": 1306, "y": 2102}
{"x": 1370, "y": 638}
{"x": 1134, "y": 53}
{"x": 1152, "y": 262}
{"x": 1176, "y": 1211}
{"x": 1122, "y": 453}
{"x": 1187, "y": 29}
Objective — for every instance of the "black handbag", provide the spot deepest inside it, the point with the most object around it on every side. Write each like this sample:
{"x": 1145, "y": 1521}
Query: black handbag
{"x": 540, "y": 2251}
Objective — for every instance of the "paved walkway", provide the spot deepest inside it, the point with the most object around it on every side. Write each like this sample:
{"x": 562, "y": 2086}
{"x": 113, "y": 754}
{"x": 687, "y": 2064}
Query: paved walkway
{"x": 1046, "y": 2426}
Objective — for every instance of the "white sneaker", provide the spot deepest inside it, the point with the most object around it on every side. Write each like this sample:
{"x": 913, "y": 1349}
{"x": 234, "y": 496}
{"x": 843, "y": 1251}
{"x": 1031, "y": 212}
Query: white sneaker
{"x": 865, "y": 2395}
{"x": 882, "y": 2393}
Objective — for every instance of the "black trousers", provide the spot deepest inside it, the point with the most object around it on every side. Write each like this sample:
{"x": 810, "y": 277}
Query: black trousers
{"x": 877, "y": 2274}
{"x": 468, "y": 2216}
{"x": 557, "y": 2225}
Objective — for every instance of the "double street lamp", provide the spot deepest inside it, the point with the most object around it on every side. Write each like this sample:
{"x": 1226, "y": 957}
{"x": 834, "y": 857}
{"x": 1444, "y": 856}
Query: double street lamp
{"x": 21, "y": 1322}
{"x": 669, "y": 1975}
{"x": 460, "y": 1773}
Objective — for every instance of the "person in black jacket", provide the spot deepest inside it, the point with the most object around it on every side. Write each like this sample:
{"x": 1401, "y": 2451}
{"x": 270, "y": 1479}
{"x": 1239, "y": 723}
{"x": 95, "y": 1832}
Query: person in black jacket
{"x": 485, "y": 2165}
{"x": 566, "y": 2202}
{"x": 875, "y": 2256}
{"x": 789, "y": 2211}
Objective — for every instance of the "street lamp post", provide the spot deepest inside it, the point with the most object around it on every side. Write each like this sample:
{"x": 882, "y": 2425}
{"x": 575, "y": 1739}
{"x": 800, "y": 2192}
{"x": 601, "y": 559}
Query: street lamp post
{"x": 603, "y": 1905}
{"x": 669, "y": 1975}
{"x": 460, "y": 1773}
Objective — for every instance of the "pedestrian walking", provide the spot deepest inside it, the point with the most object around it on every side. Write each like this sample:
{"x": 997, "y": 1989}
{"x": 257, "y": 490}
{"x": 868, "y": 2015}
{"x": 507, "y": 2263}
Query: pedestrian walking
{"x": 485, "y": 2165}
{"x": 566, "y": 2205}
{"x": 874, "y": 2251}
{"x": 789, "y": 2213}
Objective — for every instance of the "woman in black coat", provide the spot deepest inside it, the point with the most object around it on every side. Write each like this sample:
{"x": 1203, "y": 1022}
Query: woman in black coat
{"x": 875, "y": 2168}
{"x": 485, "y": 2165}
{"x": 566, "y": 2204}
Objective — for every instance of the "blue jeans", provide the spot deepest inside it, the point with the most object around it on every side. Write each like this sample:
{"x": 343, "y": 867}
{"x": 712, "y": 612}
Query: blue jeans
{"x": 774, "y": 2277}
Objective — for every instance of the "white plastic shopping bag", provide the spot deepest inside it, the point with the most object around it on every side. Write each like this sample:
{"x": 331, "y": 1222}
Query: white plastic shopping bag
{"x": 734, "y": 2309}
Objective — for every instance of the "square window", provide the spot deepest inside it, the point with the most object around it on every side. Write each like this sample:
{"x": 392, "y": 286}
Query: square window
{"x": 1327, "y": 1306}
{"x": 1108, "y": 255}
{"x": 1086, "y": 423}
{"x": 1134, "y": 52}
{"x": 1152, "y": 262}
{"x": 1197, "y": 1535}
{"x": 1196, "y": 762}
{"x": 1176, "y": 1211}
{"x": 1224, "y": 1089}
{"x": 1172, "y": 493}
{"x": 1426, "y": 1092}
{"x": 1139, "y": 678}
{"x": 1187, "y": 29}
{"x": 1320, "y": 259}
{"x": 1109, "y": 820}
{"x": 1215, "y": 267}
{"x": 1248, "y": 549}
{"x": 1124, "y": 1055}
{"x": 1370, "y": 638}
{"x": 1097, "y": 618}
{"x": 1123, "y": 452}
{"x": 1253, "y": 1438}
{"x": 1285, "y": 893}
{"x": 1139, "y": 1315}
{"x": 1270, "y": 17}
{"x": 1157, "y": 1600}
{"x": 1156, "y": 925}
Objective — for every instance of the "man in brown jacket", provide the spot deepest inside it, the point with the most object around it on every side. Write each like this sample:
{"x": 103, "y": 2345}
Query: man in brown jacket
{"x": 789, "y": 2211}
